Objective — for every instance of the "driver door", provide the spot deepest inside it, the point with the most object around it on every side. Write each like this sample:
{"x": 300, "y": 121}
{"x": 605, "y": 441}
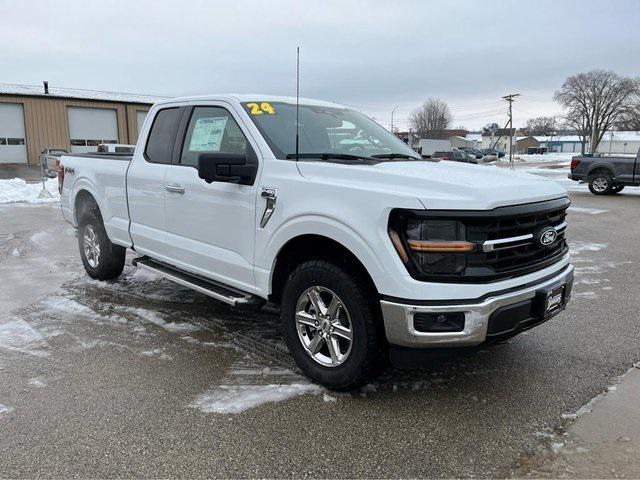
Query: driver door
{"x": 211, "y": 226}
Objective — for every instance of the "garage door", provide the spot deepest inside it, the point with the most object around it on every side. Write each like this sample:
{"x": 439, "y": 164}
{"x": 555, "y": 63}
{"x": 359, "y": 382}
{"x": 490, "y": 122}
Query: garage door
{"x": 13, "y": 148}
{"x": 89, "y": 127}
{"x": 140, "y": 117}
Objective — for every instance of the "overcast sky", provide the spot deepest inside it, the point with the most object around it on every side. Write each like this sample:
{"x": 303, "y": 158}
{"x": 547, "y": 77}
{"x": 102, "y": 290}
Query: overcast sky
{"x": 371, "y": 55}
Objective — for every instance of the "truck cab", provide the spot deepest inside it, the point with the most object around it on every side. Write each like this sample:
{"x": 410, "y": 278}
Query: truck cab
{"x": 310, "y": 205}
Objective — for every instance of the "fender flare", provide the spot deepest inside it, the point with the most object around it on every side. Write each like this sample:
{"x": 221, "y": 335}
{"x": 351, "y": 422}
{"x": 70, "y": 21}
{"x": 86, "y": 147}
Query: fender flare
{"x": 601, "y": 166}
{"x": 331, "y": 228}
{"x": 86, "y": 185}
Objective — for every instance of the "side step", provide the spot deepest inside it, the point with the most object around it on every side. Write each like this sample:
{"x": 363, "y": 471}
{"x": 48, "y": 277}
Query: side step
{"x": 211, "y": 288}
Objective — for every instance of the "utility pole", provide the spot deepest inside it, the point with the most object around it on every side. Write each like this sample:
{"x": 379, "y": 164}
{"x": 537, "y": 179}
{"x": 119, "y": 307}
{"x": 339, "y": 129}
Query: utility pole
{"x": 392, "y": 112}
{"x": 509, "y": 98}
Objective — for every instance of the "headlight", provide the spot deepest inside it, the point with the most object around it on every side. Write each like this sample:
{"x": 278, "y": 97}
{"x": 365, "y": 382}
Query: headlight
{"x": 429, "y": 246}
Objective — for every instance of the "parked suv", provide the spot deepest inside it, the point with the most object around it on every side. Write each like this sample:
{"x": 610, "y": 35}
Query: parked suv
{"x": 365, "y": 246}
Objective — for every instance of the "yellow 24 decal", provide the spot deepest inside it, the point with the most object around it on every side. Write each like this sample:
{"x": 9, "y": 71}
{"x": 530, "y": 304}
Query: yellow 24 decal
{"x": 260, "y": 108}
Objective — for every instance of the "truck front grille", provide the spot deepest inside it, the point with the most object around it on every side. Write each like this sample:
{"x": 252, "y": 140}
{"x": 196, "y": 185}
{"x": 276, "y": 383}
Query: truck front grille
{"x": 507, "y": 240}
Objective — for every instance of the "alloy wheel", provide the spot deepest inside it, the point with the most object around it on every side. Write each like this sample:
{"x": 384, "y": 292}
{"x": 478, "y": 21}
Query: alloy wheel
{"x": 324, "y": 326}
{"x": 91, "y": 246}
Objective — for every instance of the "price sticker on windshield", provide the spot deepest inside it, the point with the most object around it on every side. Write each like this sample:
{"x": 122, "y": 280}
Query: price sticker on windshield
{"x": 261, "y": 108}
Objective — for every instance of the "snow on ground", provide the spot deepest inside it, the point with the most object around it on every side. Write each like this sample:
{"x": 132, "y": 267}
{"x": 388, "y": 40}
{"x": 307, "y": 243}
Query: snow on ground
{"x": 238, "y": 398}
{"x": 156, "y": 319}
{"x": 576, "y": 247}
{"x": 544, "y": 158}
{"x": 4, "y": 409}
{"x": 19, "y": 336}
{"x": 17, "y": 190}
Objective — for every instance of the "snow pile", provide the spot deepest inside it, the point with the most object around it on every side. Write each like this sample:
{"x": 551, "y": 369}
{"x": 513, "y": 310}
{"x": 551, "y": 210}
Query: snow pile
{"x": 543, "y": 158}
{"x": 238, "y": 398}
{"x": 17, "y": 190}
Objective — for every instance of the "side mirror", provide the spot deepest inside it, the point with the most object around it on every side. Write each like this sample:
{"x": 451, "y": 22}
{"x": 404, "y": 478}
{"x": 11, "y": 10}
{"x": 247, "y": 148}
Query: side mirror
{"x": 226, "y": 167}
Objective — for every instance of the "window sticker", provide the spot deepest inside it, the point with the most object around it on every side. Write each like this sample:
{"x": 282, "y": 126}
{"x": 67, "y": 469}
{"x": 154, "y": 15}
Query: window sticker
{"x": 207, "y": 134}
{"x": 261, "y": 108}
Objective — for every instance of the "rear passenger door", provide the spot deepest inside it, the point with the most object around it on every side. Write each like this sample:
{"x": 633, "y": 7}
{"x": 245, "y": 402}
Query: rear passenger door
{"x": 211, "y": 226}
{"x": 146, "y": 185}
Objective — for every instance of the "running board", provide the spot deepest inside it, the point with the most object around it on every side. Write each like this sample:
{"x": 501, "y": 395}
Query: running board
{"x": 203, "y": 285}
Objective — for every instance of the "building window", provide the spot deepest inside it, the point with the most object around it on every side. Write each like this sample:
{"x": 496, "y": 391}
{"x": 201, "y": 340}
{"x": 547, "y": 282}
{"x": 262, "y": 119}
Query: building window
{"x": 15, "y": 141}
{"x": 92, "y": 142}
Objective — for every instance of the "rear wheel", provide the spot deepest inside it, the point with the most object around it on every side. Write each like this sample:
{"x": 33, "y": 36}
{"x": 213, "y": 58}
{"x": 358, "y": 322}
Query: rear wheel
{"x": 601, "y": 183}
{"x": 332, "y": 325}
{"x": 102, "y": 259}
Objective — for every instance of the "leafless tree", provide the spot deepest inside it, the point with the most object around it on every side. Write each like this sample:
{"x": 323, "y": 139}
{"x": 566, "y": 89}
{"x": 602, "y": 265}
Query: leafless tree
{"x": 597, "y": 101}
{"x": 574, "y": 120}
{"x": 540, "y": 126}
{"x": 431, "y": 118}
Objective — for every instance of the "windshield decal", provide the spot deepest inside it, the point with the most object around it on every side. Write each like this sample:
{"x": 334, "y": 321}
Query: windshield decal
{"x": 260, "y": 108}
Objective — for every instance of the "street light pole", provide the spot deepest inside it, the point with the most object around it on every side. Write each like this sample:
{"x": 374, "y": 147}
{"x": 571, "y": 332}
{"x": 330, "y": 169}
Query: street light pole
{"x": 392, "y": 112}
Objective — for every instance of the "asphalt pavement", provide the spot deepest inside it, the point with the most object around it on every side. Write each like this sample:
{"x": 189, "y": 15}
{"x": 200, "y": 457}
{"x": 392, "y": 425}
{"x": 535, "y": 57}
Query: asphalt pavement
{"x": 143, "y": 378}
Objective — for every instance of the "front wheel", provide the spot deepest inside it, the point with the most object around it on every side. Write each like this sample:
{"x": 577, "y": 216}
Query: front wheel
{"x": 601, "y": 183}
{"x": 332, "y": 325}
{"x": 102, "y": 259}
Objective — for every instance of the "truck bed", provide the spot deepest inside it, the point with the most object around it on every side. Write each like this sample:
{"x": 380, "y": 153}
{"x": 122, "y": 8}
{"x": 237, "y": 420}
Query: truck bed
{"x": 104, "y": 176}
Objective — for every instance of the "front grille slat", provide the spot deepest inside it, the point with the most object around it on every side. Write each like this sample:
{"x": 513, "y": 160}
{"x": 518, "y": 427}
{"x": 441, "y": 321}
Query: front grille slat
{"x": 523, "y": 255}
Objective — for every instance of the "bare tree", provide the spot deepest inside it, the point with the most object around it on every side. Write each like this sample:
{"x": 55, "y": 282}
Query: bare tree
{"x": 574, "y": 120}
{"x": 540, "y": 126}
{"x": 431, "y": 118}
{"x": 597, "y": 101}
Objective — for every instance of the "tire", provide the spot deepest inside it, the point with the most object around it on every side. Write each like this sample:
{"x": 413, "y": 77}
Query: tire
{"x": 353, "y": 362}
{"x": 601, "y": 183}
{"x": 102, "y": 259}
{"x": 617, "y": 189}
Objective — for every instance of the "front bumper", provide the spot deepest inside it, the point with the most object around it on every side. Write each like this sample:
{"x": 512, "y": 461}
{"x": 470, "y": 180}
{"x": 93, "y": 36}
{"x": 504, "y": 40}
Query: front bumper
{"x": 399, "y": 317}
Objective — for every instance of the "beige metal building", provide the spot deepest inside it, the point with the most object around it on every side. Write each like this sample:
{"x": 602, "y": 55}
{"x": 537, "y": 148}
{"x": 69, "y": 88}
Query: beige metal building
{"x": 34, "y": 118}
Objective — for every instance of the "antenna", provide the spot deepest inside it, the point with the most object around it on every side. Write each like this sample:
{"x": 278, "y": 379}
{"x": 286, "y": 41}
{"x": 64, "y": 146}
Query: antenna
{"x": 297, "y": 99}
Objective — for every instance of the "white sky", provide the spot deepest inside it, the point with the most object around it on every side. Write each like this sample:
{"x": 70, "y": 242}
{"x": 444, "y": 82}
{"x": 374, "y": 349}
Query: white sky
{"x": 371, "y": 55}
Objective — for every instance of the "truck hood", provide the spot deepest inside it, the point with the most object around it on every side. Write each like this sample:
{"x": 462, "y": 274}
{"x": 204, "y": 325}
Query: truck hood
{"x": 440, "y": 185}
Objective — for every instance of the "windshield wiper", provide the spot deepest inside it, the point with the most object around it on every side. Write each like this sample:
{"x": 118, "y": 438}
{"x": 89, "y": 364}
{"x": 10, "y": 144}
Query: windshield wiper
{"x": 329, "y": 156}
{"x": 394, "y": 155}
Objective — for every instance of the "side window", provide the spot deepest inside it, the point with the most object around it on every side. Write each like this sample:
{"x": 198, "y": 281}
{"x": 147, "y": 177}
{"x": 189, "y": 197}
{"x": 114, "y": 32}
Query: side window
{"x": 162, "y": 136}
{"x": 212, "y": 130}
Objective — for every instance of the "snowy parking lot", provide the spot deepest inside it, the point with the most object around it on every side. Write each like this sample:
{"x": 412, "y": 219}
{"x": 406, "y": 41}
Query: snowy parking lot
{"x": 142, "y": 377}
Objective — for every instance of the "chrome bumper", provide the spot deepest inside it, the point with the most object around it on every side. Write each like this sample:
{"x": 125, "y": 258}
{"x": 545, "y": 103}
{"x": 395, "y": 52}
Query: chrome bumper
{"x": 399, "y": 325}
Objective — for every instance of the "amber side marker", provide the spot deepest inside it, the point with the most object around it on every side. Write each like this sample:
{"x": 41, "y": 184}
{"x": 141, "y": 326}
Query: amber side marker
{"x": 397, "y": 243}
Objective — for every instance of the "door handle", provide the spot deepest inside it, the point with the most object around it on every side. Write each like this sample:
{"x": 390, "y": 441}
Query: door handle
{"x": 174, "y": 189}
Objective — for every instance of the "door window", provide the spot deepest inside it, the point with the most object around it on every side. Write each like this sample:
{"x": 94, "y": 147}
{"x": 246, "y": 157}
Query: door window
{"x": 212, "y": 130}
{"x": 162, "y": 136}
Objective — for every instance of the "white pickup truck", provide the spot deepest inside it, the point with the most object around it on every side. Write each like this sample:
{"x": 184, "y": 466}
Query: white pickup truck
{"x": 365, "y": 246}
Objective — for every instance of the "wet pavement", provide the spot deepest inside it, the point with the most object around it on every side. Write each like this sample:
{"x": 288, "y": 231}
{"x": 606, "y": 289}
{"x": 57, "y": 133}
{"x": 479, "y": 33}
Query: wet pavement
{"x": 141, "y": 377}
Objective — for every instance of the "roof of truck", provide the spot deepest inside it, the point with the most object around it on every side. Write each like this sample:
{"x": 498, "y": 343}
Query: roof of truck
{"x": 253, "y": 97}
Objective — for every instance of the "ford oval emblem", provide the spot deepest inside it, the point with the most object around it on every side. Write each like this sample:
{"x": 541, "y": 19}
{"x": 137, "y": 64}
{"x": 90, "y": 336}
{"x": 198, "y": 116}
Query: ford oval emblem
{"x": 547, "y": 236}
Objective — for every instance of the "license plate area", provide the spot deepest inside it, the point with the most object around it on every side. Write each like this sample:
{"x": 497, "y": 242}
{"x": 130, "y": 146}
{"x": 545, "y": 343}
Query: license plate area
{"x": 551, "y": 300}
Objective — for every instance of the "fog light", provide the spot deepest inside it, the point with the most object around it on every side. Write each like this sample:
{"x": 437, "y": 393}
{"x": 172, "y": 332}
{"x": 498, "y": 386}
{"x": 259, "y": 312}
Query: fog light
{"x": 439, "y": 322}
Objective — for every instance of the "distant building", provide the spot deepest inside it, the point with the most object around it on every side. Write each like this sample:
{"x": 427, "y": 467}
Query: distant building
{"x": 499, "y": 140}
{"x": 527, "y": 144}
{"x": 33, "y": 118}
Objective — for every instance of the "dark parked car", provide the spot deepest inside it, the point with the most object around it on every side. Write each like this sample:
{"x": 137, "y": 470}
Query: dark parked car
{"x": 473, "y": 151}
{"x": 606, "y": 175}
{"x": 454, "y": 155}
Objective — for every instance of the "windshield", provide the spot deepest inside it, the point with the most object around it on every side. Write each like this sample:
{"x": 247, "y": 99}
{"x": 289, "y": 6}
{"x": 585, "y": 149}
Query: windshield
{"x": 325, "y": 130}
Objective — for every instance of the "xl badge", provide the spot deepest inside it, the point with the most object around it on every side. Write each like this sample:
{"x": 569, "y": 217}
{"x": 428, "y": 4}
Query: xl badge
{"x": 547, "y": 236}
